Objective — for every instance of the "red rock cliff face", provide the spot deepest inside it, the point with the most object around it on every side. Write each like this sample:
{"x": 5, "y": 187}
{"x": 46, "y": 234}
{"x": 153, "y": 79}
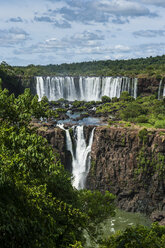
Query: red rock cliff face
{"x": 131, "y": 168}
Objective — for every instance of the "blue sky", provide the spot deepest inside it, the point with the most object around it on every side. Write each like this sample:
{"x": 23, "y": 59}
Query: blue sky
{"x": 65, "y": 31}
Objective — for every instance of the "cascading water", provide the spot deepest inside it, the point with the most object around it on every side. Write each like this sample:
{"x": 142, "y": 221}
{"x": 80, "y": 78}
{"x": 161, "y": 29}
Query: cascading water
{"x": 84, "y": 88}
{"x": 80, "y": 156}
{"x": 161, "y": 90}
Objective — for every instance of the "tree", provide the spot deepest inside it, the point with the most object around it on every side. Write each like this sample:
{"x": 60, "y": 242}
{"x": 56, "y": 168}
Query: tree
{"x": 137, "y": 237}
{"x": 38, "y": 206}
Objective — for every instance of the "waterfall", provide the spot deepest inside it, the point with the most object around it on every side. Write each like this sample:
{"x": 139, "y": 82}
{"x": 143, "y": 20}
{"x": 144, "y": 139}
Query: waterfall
{"x": 84, "y": 88}
{"x": 81, "y": 158}
{"x": 161, "y": 90}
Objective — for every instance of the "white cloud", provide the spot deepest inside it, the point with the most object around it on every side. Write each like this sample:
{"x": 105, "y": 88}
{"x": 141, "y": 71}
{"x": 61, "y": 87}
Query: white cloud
{"x": 149, "y": 33}
{"x": 12, "y": 36}
{"x": 159, "y": 3}
{"x": 102, "y": 11}
{"x": 56, "y": 31}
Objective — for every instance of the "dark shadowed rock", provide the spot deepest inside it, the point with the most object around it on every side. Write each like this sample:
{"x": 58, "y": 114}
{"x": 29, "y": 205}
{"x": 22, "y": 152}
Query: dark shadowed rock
{"x": 122, "y": 164}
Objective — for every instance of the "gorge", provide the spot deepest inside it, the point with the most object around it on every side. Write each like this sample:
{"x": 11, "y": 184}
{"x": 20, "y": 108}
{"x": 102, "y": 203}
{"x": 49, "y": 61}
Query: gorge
{"x": 116, "y": 151}
{"x": 122, "y": 164}
{"x": 120, "y": 161}
{"x": 90, "y": 154}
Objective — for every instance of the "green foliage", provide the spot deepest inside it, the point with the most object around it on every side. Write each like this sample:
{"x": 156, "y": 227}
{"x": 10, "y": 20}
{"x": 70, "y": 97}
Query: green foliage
{"x": 114, "y": 99}
{"x": 89, "y": 104}
{"x": 76, "y": 245}
{"x": 105, "y": 99}
{"x": 160, "y": 123}
{"x": 77, "y": 104}
{"x": 61, "y": 100}
{"x": 111, "y": 107}
{"x": 137, "y": 237}
{"x": 61, "y": 110}
{"x": 126, "y": 97}
{"x": 146, "y": 111}
{"x": 110, "y": 122}
{"x": 143, "y": 135}
{"x": 131, "y": 111}
{"x": 141, "y": 119}
{"x": 22, "y": 109}
{"x": 151, "y": 66}
{"x": 38, "y": 206}
{"x": 98, "y": 206}
{"x": 149, "y": 164}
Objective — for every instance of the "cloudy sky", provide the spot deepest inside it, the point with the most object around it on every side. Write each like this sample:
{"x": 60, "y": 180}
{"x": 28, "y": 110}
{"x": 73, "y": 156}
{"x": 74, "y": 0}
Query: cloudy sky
{"x": 65, "y": 31}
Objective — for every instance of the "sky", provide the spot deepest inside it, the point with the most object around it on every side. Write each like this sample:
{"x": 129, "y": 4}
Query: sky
{"x": 65, "y": 31}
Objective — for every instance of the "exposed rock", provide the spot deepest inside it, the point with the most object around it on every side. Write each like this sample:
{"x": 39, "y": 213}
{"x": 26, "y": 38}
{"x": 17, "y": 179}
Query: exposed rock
{"x": 56, "y": 138}
{"x": 147, "y": 86}
{"x": 17, "y": 84}
{"x": 158, "y": 216}
{"x": 13, "y": 84}
{"x": 122, "y": 164}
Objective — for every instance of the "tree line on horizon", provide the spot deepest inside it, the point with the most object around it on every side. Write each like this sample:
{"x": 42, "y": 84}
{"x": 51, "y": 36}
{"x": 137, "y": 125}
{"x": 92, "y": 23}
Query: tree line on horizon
{"x": 140, "y": 67}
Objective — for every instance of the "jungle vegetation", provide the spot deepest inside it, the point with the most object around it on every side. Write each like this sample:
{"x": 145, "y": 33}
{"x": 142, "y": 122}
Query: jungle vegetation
{"x": 145, "y": 111}
{"x": 137, "y": 237}
{"x": 141, "y": 67}
{"x": 38, "y": 206}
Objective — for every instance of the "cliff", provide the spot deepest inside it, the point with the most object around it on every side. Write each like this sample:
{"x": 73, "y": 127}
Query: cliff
{"x": 57, "y": 139}
{"x": 17, "y": 84}
{"x": 131, "y": 165}
{"x": 148, "y": 86}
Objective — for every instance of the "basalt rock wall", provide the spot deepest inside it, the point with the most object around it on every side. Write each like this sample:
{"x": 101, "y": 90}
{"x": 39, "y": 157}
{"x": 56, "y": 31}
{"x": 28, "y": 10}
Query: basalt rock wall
{"x": 57, "y": 139}
{"x": 130, "y": 166}
{"x": 17, "y": 84}
{"x": 127, "y": 162}
{"x": 148, "y": 86}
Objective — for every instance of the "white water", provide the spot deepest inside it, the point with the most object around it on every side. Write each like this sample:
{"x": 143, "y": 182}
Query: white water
{"x": 84, "y": 88}
{"x": 81, "y": 158}
{"x": 161, "y": 90}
